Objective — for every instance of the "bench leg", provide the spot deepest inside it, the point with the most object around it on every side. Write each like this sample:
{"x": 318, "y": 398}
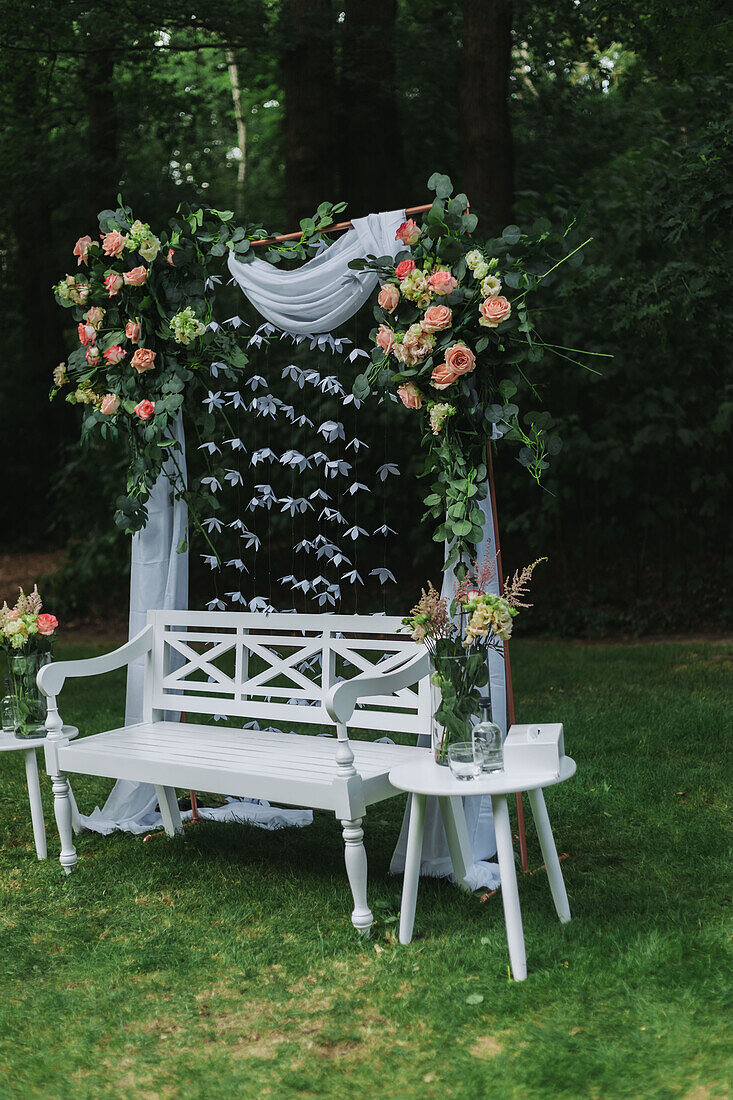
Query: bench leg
{"x": 549, "y": 854}
{"x": 62, "y": 810}
{"x": 356, "y": 869}
{"x": 170, "y": 813}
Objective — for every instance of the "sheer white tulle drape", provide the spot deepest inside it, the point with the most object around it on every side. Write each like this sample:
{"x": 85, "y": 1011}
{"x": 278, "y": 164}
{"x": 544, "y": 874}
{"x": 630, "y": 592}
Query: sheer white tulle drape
{"x": 308, "y": 301}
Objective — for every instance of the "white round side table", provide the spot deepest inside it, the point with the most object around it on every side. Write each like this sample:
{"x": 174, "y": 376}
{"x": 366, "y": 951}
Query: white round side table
{"x": 28, "y": 746}
{"x": 428, "y": 778}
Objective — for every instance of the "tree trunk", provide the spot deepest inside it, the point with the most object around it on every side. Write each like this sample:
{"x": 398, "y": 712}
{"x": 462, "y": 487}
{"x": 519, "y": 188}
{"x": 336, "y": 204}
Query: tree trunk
{"x": 308, "y": 66}
{"x": 370, "y": 146}
{"x": 241, "y": 133}
{"x": 102, "y": 176}
{"x": 486, "y": 136}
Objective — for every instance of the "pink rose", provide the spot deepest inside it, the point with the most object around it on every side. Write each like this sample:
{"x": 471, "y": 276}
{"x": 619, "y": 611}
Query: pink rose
{"x": 169, "y": 257}
{"x": 460, "y": 360}
{"x": 437, "y": 318}
{"x": 388, "y": 298}
{"x": 110, "y": 404}
{"x": 80, "y": 293}
{"x": 410, "y": 396}
{"x": 95, "y": 316}
{"x": 384, "y": 339}
{"x": 115, "y": 354}
{"x": 93, "y": 356}
{"x": 137, "y": 276}
{"x": 442, "y": 377}
{"x": 87, "y": 334}
{"x": 143, "y": 359}
{"x": 404, "y": 268}
{"x": 145, "y": 409}
{"x": 132, "y": 332}
{"x": 80, "y": 250}
{"x": 493, "y": 311}
{"x": 113, "y": 282}
{"x": 46, "y": 624}
{"x": 442, "y": 282}
{"x": 408, "y": 232}
{"x": 113, "y": 243}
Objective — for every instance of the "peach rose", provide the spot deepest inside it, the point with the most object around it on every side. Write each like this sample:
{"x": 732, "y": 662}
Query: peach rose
{"x": 388, "y": 298}
{"x": 113, "y": 282}
{"x": 145, "y": 409}
{"x": 437, "y": 318}
{"x": 459, "y": 359}
{"x": 442, "y": 282}
{"x": 93, "y": 356}
{"x": 137, "y": 276}
{"x": 80, "y": 250}
{"x": 415, "y": 345}
{"x": 46, "y": 624}
{"x": 143, "y": 359}
{"x": 113, "y": 243}
{"x": 493, "y": 311}
{"x": 408, "y": 232}
{"x": 442, "y": 377}
{"x": 169, "y": 257}
{"x": 87, "y": 334}
{"x": 132, "y": 332}
{"x": 115, "y": 354}
{"x": 404, "y": 268}
{"x": 110, "y": 404}
{"x": 95, "y": 316}
{"x": 410, "y": 396}
{"x": 384, "y": 339}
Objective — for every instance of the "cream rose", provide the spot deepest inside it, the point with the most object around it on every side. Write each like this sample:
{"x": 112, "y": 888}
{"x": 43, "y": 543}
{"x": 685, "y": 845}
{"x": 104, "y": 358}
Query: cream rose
{"x": 437, "y": 318}
{"x": 491, "y": 286}
{"x": 493, "y": 311}
{"x": 95, "y": 316}
{"x": 388, "y": 298}
{"x": 149, "y": 248}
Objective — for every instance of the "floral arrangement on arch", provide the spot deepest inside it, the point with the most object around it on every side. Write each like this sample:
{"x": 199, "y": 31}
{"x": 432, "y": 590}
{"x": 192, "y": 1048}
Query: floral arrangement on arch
{"x": 453, "y": 332}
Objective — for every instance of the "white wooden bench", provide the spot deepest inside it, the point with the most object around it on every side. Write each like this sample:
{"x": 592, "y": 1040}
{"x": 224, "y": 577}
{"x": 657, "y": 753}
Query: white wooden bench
{"x": 277, "y": 669}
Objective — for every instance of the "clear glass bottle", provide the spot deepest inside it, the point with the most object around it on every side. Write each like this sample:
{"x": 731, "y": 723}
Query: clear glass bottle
{"x": 486, "y": 737}
{"x": 8, "y": 709}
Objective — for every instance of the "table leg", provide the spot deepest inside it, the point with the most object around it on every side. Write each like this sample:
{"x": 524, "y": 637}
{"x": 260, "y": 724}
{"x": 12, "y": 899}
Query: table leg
{"x": 456, "y": 832}
{"x": 509, "y": 891}
{"x": 413, "y": 859}
{"x": 34, "y": 796}
{"x": 549, "y": 854}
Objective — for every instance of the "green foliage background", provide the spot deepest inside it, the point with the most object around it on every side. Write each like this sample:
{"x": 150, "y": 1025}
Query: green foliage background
{"x": 625, "y": 115}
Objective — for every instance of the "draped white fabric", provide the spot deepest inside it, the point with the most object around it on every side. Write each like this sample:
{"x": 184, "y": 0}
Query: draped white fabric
{"x": 324, "y": 292}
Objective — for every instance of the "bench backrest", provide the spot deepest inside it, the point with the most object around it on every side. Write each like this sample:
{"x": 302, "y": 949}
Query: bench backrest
{"x": 278, "y": 668}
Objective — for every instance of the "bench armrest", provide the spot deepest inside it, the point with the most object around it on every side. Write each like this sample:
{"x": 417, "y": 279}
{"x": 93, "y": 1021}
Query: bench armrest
{"x": 51, "y": 677}
{"x": 342, "y": 698}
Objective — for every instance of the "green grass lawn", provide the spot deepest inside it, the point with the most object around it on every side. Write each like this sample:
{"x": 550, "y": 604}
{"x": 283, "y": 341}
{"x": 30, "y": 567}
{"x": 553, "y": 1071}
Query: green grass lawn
{"x": 223, "y": 964}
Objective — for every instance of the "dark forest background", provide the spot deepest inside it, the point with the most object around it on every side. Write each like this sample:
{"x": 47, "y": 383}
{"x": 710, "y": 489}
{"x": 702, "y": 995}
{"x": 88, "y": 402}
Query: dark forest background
{"x": 535, "y": 110}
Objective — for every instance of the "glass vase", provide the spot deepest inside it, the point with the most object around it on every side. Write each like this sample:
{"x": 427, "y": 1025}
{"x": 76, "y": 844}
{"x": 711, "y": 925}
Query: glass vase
{"x": 30, "y": 703}
{"x": 452, "y": 705}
